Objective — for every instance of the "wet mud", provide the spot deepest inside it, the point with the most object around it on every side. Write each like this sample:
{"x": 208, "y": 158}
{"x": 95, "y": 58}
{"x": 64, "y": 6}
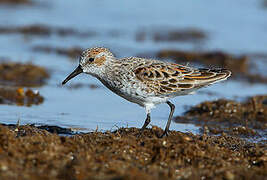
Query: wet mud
{"x": 80, "y": 85}
{"x": 15, "y": 2}
{"x": 264, "y": 3}
{"x": 43, "y": 30}
{"x": 28, "y": 152}
{"x": 20, "y": 96}
{"x": 17, "y": 74}
{"x": 172, "y": 35}
{"x": 241, "y": 66}
{"x": 242, "y": 119}
{"x": 52, "y": 129}
{"x": 73, "y": 52}
{"x": 14, "y": 77}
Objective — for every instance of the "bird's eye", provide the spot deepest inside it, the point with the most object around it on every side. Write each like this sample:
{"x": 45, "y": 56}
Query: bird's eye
{"x": 91, "y": 59}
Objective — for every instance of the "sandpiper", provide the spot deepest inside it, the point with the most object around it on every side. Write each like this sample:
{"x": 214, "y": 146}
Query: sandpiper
{"x": 146, "y": 82}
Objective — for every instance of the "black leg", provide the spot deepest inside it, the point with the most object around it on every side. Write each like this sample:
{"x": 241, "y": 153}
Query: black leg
{"x": 165, "y": 133}
{"x": 147, "y": 121}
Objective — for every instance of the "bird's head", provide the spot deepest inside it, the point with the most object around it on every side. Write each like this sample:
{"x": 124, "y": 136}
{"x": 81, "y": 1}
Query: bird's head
{"x": 92, "y": 61}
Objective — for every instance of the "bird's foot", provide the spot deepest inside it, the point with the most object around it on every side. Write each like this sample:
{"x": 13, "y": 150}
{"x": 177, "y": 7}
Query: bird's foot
{"x": 165, "y": 133}
{"x": 140, "y": 134}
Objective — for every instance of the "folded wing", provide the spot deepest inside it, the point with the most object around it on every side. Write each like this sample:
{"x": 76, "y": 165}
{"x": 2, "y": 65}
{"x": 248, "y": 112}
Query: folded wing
{"x": 164, "y": 78}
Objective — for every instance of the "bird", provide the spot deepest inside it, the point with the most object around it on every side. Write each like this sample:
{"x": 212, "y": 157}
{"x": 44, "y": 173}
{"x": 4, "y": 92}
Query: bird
{"x": 146, "y": 82}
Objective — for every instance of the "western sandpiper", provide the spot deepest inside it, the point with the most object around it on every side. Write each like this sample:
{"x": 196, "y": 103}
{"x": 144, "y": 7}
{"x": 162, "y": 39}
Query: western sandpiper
{"x": 146, "y": 82}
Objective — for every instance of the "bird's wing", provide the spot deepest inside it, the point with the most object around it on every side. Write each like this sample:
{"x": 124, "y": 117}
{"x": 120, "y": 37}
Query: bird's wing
{"x": 168, "y": 78}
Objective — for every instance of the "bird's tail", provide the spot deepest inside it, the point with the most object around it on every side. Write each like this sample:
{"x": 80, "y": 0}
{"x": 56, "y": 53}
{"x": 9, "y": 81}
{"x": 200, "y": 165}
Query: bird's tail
{"x": 204, "y": 76}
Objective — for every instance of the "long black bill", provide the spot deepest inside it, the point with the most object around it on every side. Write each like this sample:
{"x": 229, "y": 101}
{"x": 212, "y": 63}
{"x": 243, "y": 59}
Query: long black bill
{"x": 77, "y": 71}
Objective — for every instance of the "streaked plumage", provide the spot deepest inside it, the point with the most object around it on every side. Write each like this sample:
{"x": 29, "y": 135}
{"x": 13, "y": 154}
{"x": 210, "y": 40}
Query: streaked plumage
{"x": 146, "y": 82}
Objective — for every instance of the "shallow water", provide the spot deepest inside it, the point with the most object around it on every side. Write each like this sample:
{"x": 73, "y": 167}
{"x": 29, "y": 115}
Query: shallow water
{"x": 236, "y": 27}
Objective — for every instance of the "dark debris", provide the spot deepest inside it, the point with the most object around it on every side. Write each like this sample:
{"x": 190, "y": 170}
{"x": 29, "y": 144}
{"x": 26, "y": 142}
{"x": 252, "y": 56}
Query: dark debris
{"x": 20, "y": 96}
{"x": 30, "y": 153}
{"x": 15, "y": 2}
{"x": 73, "y": 52}
{"x": 241, "y": 119}
{"x": 172, "y": 35}
{"x": 17, "y": 74}
{"x": 43, "y": 30}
